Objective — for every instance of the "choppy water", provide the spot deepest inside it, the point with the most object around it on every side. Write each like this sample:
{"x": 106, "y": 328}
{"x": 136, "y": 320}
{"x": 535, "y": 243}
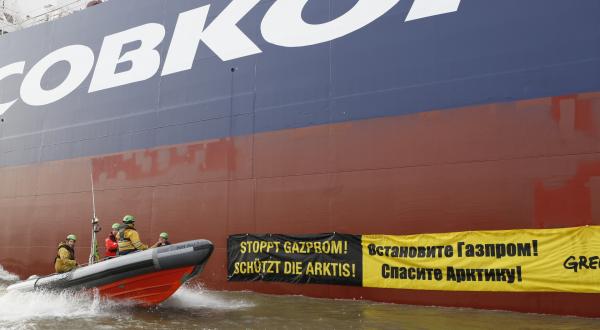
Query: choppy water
{"x": 195, "y": 308}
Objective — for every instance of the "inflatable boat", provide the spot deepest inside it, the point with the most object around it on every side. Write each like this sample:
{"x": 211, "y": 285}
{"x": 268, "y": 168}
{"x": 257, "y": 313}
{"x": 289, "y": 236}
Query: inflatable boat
{"x": 147, "y": 277}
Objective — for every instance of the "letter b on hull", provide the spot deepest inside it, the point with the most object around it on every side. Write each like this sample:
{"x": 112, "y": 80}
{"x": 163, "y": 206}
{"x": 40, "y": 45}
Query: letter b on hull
{"x": 145, "y": 60}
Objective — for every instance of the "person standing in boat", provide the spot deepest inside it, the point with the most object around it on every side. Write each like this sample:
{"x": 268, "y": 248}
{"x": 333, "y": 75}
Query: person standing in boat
{"x": 163, "y": 240}
{"x": 65, "y": 256}
{"x": 111, "y": 244}
{"x": 128, "y": 238}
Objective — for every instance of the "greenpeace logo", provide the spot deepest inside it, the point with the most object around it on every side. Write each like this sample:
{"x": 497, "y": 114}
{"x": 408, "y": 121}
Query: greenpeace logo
{"x": 282, "y": 25}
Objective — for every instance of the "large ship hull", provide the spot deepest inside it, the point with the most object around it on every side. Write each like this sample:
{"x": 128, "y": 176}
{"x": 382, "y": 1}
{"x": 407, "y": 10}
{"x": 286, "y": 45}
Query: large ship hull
{"x": 353, "y": 136}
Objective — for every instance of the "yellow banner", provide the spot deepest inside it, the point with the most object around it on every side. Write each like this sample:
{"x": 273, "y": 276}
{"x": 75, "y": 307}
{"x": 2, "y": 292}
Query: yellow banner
{"x": 509, "y": 260}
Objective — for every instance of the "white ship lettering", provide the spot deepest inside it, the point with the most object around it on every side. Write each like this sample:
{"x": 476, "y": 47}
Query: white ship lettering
{"x": 282, "y": 25}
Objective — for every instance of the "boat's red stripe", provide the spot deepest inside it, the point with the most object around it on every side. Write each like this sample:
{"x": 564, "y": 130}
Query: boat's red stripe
{"x": 149, "y": 288}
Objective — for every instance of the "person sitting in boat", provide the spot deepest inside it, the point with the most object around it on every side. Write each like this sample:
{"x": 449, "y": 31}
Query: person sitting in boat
{"x": 163, "y": 240}
{"x": 128, "y": 238}
{"x": 65, "y": 257}
{"x": 111, "y": 244}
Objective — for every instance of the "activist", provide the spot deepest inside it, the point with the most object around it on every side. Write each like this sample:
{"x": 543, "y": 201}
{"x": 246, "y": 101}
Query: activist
{"x": 65, "y": 256}
{"x": 128, "y": 237}
{"x": 111, "y": 244}
{"x": 163, "y": 240}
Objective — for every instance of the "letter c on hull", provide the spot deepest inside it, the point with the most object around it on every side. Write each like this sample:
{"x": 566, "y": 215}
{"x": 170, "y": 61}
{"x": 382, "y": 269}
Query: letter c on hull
{"x": 283, "y": 24}
{"x": 81, "y": 59}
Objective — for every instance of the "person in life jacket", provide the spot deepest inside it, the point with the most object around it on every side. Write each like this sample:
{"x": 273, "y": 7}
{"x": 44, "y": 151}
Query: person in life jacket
{"x": 65, "y": 256}
{"x": 111, "y": 244}
{"x": 163, "y": 240}
{"x": 128, "y": 238}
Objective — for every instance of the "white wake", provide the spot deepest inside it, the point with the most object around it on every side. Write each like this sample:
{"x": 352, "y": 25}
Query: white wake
{"x": 196, "y": 297}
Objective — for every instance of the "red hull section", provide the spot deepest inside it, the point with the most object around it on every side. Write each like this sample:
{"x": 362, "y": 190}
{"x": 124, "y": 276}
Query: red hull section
{"x": 525, "y": 164}
{"x": 148, "y": 289}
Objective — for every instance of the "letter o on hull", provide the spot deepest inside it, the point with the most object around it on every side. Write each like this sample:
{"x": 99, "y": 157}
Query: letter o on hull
{"x": 81, "y": 60}
{"x": 283, "y": 24}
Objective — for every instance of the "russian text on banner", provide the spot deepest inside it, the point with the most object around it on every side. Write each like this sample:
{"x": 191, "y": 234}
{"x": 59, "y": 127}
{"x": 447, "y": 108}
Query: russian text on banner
{"x": 509, "y": 260}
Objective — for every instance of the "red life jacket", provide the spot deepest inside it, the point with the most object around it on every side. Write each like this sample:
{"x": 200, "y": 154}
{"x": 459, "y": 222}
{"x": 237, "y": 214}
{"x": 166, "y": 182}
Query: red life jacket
{"x": 111, "y": 246}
